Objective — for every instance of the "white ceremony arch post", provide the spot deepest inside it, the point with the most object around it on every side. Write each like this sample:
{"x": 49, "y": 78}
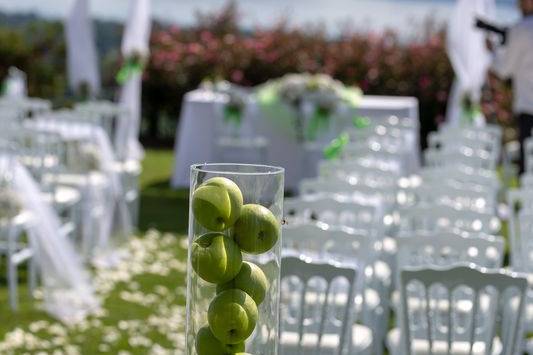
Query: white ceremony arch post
{"x": 135, "y": 48}
{"x": 470, "y": 59}
{"x": 82, "y": 57}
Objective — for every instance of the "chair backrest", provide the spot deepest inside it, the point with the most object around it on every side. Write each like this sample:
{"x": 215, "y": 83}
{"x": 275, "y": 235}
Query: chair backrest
{"x": 330, "y": 242}
{"x": 29, "y": 106}
{"x": 447, "y": 249}
{"x": 303, "y": 318}
{"x": 335, "y": 210}
{"x": 462, "y": 174}
{"x": 467, "y": 138}
{"x": 433, "y": 217}
{"x": 348, "y": 169}
{"x": 460, "y": 328}
{"x": 328, "y": 168}
{"x": 42, "y": 153}
{"x": 475, "y": 158}
{"x": 451, "y": 193}
{"x": 372, "y": 191}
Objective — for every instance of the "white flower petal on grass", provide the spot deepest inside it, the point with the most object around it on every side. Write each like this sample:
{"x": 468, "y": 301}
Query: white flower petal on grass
{"x": 104, "y": 348}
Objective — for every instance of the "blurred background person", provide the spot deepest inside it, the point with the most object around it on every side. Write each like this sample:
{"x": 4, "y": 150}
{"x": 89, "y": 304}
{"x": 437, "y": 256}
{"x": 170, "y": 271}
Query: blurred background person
{"x": 514, "y": 60}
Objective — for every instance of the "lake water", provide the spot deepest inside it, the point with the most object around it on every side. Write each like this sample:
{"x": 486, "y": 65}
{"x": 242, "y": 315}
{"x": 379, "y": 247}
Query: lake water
{"x": 366, "y": 15}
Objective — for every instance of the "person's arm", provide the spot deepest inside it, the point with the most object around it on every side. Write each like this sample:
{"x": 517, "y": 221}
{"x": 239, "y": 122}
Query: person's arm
{"x": 506, "y": 58}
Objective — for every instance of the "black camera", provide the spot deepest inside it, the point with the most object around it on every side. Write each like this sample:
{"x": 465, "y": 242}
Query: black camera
{"x": 489, "y": 27}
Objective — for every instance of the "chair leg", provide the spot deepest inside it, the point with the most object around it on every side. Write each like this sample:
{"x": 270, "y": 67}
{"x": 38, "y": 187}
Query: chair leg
{"x": 135, "y": 212}
{"x": 32, "y": 282}
{"x": 12, "y": 279}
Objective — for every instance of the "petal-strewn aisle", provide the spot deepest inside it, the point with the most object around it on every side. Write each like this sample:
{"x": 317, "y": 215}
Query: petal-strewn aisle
{"x": 143, "y": 310}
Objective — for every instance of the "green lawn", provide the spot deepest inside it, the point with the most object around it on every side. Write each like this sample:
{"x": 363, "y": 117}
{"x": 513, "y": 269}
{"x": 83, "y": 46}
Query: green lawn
{"x": 161, "y": 207}
{"x": 143, "y": 312}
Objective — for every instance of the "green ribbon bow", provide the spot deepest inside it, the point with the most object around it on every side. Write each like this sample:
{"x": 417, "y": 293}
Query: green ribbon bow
{"x": 319, "y": 122}
{"x": 233, "y": 114}
{"x": 130, "y": 67}
{"x": 335, "y": 148}
{"x": 361, "y": 122}
{"x": 470, "y": 113}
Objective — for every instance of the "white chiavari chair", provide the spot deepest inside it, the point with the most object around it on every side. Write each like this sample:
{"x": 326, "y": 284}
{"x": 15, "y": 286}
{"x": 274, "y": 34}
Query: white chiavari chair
{"x": 347, "y": 246}
{"x": 314, "y": 328}
{"x": 423, "y": 330}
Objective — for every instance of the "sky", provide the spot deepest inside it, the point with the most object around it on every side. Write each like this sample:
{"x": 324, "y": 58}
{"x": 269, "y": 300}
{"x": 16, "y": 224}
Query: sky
{"x": 365, "y": 15}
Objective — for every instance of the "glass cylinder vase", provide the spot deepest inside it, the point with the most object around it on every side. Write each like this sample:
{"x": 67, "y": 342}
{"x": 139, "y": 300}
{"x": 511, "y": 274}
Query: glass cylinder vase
{"x": 234, "y": 259}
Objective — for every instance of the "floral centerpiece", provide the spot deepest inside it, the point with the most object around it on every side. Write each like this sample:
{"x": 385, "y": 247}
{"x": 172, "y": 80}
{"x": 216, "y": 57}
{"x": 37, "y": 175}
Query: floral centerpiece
{"x": 321, "y": 91}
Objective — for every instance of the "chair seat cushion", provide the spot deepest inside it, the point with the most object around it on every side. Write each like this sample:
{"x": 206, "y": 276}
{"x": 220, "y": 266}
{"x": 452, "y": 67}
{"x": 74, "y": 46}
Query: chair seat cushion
{"x": 361, "y": 342}
{"x": 421, "y": 346}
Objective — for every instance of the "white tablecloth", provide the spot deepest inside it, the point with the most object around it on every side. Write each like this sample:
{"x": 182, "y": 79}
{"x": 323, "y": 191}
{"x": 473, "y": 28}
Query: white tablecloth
{"x": 200, "y": 127}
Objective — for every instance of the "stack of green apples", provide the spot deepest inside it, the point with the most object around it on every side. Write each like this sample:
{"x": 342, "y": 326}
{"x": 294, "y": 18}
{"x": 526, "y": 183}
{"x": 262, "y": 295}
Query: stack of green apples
{"x": 217, "y": 257}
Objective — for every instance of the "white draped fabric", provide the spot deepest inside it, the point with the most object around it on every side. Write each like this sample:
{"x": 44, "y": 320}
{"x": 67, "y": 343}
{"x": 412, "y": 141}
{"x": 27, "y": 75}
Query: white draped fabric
{"x": 469, "y": 56}
{"x": 82, "y": 58}
{"x": 127, "y": 134}
{"x": 68, "y": 292}
{"x": 135, "y": 42}
{"x": 138, "y": 27}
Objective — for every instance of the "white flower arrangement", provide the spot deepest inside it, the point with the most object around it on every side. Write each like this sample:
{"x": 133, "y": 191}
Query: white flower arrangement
{"x": 320, "y": 89}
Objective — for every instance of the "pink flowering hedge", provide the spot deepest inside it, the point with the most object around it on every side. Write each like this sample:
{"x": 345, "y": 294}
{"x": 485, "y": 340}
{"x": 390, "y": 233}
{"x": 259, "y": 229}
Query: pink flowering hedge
{"x": 379, "y": 64}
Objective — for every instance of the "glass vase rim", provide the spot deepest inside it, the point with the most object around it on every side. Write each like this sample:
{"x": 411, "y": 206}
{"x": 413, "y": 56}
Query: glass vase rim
{"x": 218, "y": 168}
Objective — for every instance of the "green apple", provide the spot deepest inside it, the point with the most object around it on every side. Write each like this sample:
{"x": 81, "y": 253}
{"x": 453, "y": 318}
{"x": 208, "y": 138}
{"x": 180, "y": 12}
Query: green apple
{"x": 207, "y": 344}
{"x": 257, "y": 230}
{"x": 216, "y": 258}
{"x": 251, "y": 279}
{"x": 217, "y": 203}
{"x": 232, "y": 316}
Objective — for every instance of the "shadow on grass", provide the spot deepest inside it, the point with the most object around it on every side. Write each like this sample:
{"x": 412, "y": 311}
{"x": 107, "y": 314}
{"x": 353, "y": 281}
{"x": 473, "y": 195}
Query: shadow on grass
{"x": 164, "y": 208}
